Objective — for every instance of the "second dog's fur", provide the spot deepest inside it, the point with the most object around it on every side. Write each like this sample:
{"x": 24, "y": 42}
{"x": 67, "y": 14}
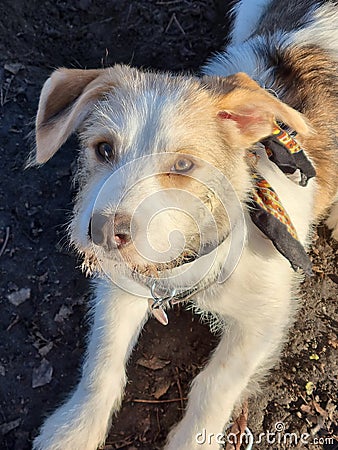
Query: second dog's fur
{"x": 123, "y": 114}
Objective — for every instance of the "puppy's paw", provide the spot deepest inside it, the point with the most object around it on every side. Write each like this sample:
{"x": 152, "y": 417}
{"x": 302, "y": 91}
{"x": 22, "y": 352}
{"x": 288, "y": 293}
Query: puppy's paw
{"x": 66, "y": 440}
{"x": 181, "y": 438}
{"x": 72, "y": 430}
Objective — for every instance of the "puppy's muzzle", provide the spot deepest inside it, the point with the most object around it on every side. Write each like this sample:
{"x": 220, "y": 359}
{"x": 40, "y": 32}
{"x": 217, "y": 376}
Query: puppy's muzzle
{"x": 110, "y": 232}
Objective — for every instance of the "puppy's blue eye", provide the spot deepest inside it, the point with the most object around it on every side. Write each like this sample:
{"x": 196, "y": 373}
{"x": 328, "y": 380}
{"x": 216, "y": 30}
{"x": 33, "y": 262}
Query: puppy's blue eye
{"x": 182, "y": 165}
{"x": 105, "y": 152}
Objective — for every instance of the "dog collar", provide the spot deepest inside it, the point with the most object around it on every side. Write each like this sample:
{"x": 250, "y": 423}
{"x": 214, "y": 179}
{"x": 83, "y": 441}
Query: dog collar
{"x": 266, "y": 209}
{"x": 283, "y": 150}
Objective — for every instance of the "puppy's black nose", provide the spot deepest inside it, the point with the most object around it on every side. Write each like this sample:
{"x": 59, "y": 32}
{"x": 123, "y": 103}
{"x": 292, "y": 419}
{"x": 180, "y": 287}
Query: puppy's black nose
{"x": 99, "y": 225}
{"x": 110, "y": 232}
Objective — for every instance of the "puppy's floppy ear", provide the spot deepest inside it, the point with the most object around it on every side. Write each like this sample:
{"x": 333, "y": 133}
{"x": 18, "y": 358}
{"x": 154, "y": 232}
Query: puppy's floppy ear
{"x": 65, "y": 100}
{"x": 248, "y": 112}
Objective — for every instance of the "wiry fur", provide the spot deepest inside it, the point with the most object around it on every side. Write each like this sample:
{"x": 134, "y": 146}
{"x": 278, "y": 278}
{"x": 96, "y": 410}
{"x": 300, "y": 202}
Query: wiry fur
{"x": 142, "y": 114}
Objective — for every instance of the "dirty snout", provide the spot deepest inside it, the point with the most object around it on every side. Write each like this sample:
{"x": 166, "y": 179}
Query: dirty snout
{"x": 152, "y": 238}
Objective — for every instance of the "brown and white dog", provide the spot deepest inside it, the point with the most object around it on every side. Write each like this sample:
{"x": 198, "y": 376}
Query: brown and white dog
{"x": 164, "y": 184}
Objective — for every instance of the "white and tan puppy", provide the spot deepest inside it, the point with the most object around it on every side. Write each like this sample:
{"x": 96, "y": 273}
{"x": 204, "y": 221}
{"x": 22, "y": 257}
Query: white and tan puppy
{"x": 164, "y": 184}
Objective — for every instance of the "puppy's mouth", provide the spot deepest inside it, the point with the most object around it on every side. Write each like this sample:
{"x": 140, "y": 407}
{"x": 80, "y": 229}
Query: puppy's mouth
{"x": 156, "y": 269}
{"x": 93, "y": 263}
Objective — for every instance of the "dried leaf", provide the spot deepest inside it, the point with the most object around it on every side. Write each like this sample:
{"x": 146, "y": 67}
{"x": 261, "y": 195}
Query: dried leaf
{"x": 9, "y": 426}
{"x": 333, "y": 277}
{"x": 42, "y": 375}
{"x": 319, "y": 409}
{"x": 317, "y": 269}
{"x": 153, "y": 363}
{"x": 238, "y": 429}
{"x": 306, "y": 409}
{"x": 333, "y": 343}
{"x": 20, "y": 296}
{"x": 161, "y": 389}
{"x": 63, "y": 314}
{"x": 330, "y": 408}
{"x": 14, "y": 68}
{"x": 43, "y": 351}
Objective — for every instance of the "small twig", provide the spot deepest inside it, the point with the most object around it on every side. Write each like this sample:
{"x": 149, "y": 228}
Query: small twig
{"x": 99, "y": 22}
{"x": 129, "y": 12}
{"x": 158, "y": 424}
{"x": 172, "y": 2}
{"x": 132, "y": 58}
{"x": 171, "y": 400}
{"x": 2, "y": 81}
{"x": 4, "y": 92}
{"x": 178, "y": 24}
{"x": 119, "y": 443}
{"x": 179, "y": 388}
{"x": 169, "y": 24}
{"x": 14, "y": 322}
{"x": 173, "y": 18}
{"x": 5, "y": 241}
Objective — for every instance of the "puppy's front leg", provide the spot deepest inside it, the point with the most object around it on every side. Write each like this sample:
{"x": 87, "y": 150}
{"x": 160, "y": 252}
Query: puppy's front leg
{"x": 83, "y": 421}
{"x": 245, "y": 348}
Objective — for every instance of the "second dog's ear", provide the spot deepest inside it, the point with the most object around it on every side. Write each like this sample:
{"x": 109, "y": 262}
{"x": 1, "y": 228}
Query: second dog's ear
{"x": 248, "y": 112}
{"x": 65, "y": 100}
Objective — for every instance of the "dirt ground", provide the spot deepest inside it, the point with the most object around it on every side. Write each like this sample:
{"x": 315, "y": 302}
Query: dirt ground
{"x": 43, "y": 294}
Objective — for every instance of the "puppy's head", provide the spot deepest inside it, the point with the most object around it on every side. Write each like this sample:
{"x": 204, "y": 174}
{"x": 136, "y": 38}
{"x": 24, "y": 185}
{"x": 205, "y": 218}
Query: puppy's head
{"x": 162, "y": 164}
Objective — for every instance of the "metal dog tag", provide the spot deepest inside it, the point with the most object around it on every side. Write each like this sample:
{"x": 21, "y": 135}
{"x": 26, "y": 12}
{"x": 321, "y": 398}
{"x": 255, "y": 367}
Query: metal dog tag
{"x": 158, "y": 312}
